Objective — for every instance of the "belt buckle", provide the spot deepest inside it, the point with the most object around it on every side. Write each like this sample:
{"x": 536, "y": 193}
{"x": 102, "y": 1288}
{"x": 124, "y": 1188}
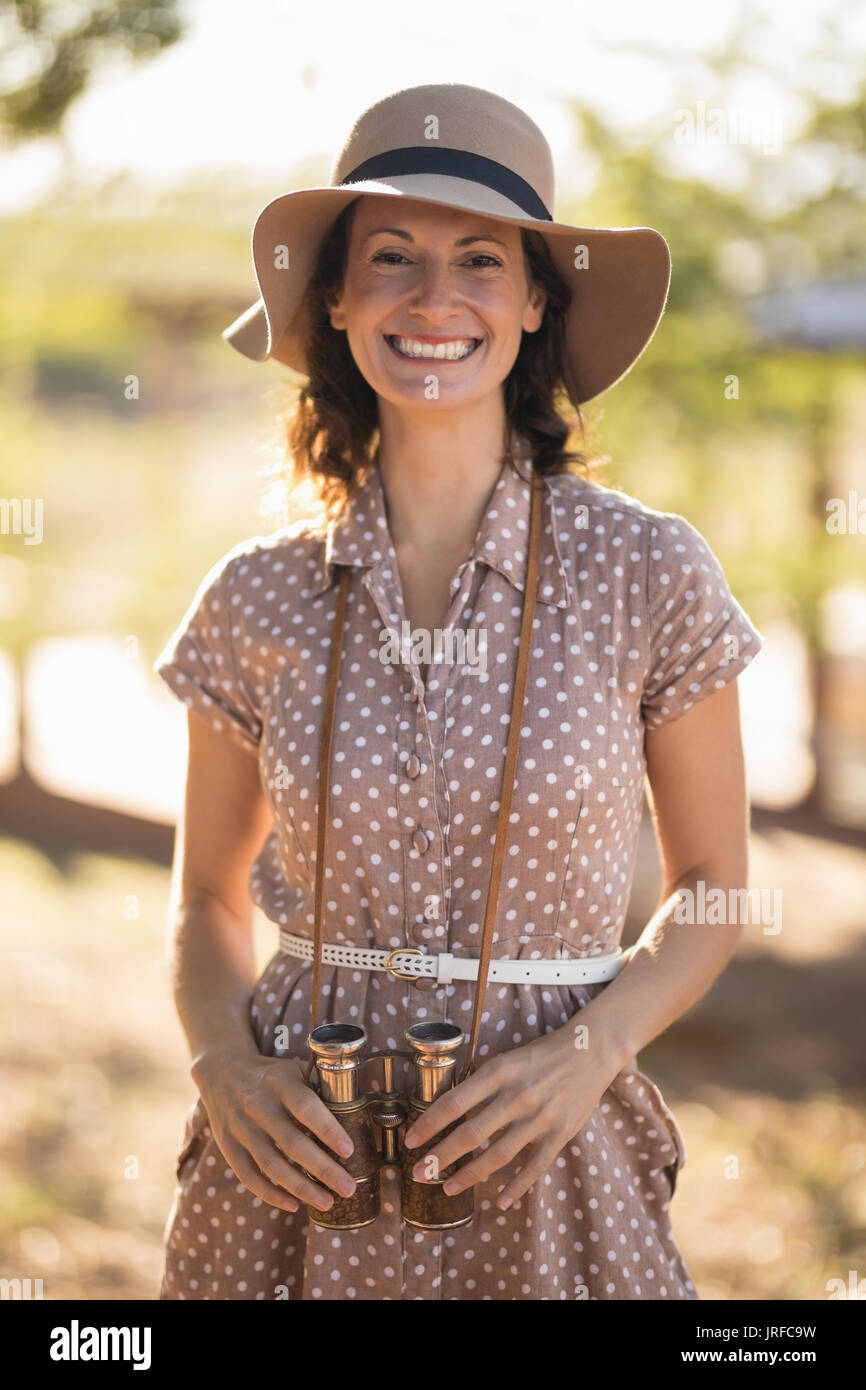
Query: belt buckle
{"x": 393, "y": 971}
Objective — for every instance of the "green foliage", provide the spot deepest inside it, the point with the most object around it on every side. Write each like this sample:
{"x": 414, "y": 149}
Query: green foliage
{"x": 60, "y": 56}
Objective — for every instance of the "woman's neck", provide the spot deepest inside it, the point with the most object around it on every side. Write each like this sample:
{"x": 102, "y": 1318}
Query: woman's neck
{"x": 438, "y": 479}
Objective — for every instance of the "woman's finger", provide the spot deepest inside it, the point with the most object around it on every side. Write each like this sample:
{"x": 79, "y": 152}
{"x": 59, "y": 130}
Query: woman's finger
{"x": 310, "y": 1111}
{"x": 273, "y": 1165}
{"x": 536, "y": 1165}
{"x": 515, "y": 1138}
{"x": 458, "y": 1101}
{"x": 254, "y": 1181}
{"x": 304, "y": 1151}
{"x": 467, "y": 1137}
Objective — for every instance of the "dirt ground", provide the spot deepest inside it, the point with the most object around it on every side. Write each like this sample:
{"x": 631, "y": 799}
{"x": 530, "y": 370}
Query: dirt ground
{"x": 765, "y": 1076}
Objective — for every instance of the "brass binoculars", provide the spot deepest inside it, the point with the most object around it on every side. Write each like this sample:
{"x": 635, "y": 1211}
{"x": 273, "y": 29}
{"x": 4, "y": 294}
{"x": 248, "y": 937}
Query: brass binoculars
{"x": 376, "y": 1122}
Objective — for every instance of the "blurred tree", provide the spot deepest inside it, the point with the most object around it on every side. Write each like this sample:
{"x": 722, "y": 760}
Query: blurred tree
{"x": 55, "y": 48}
{"x": 786, "y": 393}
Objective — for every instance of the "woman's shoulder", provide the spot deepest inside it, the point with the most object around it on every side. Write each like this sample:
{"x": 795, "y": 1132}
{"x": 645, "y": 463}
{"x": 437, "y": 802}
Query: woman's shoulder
{"x": 611, "y": 508}
{"x": 289, "y": 553}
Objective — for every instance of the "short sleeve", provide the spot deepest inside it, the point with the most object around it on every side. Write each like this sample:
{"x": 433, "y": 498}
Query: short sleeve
{"x": 700, "y": 638}
{"x": 198, "y": 663}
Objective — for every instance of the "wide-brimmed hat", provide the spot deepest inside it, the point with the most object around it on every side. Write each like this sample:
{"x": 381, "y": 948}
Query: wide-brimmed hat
{"x": 465, "y": 148}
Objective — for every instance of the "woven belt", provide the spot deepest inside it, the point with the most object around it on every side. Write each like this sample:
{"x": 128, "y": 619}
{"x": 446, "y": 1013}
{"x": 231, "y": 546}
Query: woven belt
{"x": 411, "y": 963}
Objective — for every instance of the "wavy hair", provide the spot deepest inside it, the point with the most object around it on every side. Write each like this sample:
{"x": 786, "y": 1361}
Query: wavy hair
{"x": 329, "y": 433}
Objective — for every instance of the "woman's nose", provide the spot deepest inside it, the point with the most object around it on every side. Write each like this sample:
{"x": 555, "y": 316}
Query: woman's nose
{"x": 434, "y": 291}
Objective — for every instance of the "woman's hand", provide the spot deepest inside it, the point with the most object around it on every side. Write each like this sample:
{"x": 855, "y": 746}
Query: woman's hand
{"x": 541, "y": 1093}
{"x": 251, "y": 1102}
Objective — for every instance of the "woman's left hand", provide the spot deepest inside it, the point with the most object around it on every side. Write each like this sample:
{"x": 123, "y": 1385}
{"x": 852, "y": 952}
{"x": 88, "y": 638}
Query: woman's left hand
{"x": 540, "y": 1093}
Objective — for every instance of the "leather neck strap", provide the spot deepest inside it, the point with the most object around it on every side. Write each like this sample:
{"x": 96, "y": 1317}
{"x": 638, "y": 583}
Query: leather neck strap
{"x": 508, "y": 775}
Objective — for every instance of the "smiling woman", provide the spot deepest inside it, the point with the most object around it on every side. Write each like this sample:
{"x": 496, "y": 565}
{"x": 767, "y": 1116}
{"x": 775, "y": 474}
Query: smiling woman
{"x": 446, "y": 848}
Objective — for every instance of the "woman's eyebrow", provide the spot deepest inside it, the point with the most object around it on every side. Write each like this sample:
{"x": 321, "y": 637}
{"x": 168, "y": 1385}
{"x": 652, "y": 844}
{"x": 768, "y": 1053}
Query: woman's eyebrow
{"x": 464, "y": 241}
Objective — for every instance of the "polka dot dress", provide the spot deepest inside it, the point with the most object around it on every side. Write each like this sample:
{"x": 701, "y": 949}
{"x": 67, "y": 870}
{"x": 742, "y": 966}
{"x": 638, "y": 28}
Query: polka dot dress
{"x": 634, "y": 624}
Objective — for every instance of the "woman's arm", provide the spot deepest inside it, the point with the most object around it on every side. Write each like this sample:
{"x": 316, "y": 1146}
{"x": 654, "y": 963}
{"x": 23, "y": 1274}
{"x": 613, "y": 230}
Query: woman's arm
{"x": 701, "y": 818}
{"x": 222, "y": 827}
{"x": 252, "y": 1100}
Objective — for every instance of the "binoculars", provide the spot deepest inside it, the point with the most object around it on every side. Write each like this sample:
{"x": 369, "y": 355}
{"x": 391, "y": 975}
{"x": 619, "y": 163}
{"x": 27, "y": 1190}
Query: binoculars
{"x": 376, "y": 1122}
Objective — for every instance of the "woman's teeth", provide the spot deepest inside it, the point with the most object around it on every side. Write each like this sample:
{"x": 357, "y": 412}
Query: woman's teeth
{"x": 451, "y": 351}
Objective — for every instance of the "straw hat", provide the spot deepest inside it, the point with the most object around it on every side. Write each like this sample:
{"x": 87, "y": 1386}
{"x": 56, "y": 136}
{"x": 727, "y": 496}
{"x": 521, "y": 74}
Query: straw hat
{"x": 470, "y": 149}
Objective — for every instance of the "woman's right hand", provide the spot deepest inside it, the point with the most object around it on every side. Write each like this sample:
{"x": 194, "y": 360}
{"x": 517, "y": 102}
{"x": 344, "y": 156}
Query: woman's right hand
{"x": 252, "y": 1102}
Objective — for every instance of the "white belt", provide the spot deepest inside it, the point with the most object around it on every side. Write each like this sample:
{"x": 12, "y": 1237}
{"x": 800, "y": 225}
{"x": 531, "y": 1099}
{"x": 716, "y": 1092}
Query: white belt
{"x": 412, "y": 963}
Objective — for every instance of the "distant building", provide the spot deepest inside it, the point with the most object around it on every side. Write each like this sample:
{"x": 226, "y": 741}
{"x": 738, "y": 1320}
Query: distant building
{"x": 826, "y": 315}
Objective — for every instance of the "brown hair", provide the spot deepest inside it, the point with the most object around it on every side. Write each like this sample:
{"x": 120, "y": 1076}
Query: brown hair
{"x": 329, "y": 432}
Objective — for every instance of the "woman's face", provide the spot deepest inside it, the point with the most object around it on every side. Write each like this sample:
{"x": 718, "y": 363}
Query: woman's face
{"x": 451, "y": 285}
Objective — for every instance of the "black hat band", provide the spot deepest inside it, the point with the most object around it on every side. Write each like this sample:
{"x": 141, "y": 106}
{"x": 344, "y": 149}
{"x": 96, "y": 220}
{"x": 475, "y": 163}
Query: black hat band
{"x": 460, "y": 164}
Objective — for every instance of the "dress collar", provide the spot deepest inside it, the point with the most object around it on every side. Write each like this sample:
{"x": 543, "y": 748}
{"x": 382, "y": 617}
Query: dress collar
{"x": 360, "y": 535}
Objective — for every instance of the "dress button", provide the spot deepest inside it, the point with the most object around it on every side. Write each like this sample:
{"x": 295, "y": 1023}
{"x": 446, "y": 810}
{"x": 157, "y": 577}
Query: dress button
{"x": 421, "y": 840}
{"x": 413, "y": 765}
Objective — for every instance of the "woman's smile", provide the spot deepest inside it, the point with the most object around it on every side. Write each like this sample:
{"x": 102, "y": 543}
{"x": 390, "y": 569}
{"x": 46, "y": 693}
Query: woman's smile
{"x": 427, "y": 348}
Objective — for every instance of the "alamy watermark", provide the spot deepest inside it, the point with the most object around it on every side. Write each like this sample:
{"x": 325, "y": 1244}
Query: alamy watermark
{"x": 77, "y": 1343}
{"x": 729, "y": 125}
{"x": 846, "y": 517}
{"x": 14, "y": 1290}
{"x": 459, "y": 646}
{"x": 22, "y": 516}
{"x": 718, "y": 907}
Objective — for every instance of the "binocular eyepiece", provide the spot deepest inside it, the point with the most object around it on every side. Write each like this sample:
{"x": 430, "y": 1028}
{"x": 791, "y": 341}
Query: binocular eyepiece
{"x": 376, "y": 1122}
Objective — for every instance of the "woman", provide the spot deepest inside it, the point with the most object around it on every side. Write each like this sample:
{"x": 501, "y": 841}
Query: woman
{"x": 437, "y": 309}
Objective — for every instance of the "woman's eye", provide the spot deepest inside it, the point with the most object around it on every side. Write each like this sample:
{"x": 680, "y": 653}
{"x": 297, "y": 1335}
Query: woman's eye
{"x": 395, "y": 257}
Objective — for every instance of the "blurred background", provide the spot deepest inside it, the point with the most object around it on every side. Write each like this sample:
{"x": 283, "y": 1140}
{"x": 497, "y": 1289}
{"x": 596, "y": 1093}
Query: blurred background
{"x": 139, "y": 141}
